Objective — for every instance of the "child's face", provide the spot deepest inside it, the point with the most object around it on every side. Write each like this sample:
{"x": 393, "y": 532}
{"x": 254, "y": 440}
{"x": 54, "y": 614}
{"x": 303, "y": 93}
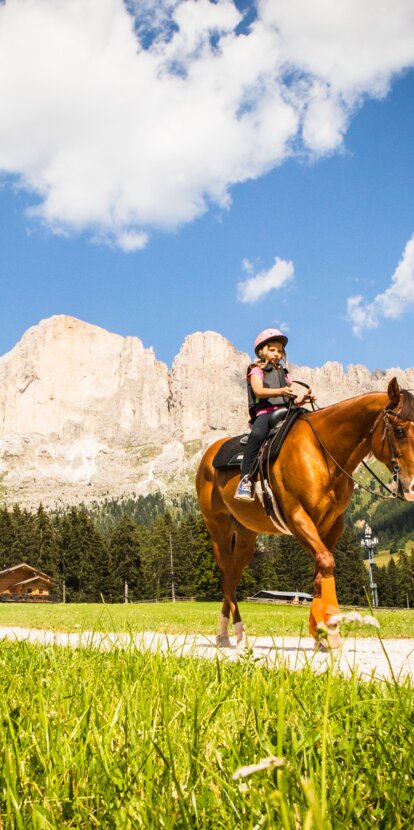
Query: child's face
{"x": 272, "y": 352}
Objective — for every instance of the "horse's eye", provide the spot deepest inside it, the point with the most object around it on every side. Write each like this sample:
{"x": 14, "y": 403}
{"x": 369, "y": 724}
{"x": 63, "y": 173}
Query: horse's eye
{"x": 400, "y": 432}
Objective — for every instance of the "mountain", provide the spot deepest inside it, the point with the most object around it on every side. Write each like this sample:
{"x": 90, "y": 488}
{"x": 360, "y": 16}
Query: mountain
{"x": 85, "y": 413}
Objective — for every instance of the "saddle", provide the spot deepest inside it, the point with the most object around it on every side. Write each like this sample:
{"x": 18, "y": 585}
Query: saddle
{"x": 231, "y": 452}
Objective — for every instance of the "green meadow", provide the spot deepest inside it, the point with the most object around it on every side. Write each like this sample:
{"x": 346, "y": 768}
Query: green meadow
{"x": 185, "y": 618}
{"x": 125, "y": 740}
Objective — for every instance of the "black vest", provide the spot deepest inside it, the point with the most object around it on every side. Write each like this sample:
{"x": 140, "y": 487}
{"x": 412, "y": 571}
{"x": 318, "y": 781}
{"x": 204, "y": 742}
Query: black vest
{"x": 273, "y": 378}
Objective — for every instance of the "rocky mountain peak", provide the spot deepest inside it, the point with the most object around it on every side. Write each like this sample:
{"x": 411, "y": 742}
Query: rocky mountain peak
{"x": 81, "y": 408}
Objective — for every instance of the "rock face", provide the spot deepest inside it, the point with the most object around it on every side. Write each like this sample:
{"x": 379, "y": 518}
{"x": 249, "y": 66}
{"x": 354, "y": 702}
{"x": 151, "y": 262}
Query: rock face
{"x": 84, "y": 412}
{"x": 208, "y": 391}
{"x": 74, "y": 380}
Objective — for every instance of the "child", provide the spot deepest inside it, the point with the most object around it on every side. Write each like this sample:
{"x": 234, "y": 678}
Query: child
{"x": 269, "y": 387}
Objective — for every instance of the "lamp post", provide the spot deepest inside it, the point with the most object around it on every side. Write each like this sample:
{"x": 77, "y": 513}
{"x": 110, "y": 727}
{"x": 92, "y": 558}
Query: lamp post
{"x": 370, "y": 542}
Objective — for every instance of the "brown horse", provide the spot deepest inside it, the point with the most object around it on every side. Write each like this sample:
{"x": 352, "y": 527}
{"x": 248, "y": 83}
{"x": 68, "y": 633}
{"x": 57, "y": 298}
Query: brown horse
{"x": 313, "y": 484}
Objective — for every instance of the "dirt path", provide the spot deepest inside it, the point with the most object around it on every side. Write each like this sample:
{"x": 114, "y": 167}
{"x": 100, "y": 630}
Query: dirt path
{"x": 365, "y": 655}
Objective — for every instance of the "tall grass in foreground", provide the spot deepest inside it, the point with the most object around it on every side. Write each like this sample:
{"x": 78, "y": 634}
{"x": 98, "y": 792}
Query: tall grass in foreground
{"x": 129, "y": 740}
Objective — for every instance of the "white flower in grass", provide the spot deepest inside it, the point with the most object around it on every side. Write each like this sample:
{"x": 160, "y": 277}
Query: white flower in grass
{"x": 354, "y": 617}
{"x": 264, "y": 763}
{"x": 370, "y": 620}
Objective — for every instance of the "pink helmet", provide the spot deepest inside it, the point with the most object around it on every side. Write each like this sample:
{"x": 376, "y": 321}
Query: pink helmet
{"x": 266, "y": 336}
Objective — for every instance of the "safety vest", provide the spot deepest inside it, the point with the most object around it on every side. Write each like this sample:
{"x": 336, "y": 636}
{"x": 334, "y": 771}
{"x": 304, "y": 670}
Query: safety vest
{"x": 273, "y": 378}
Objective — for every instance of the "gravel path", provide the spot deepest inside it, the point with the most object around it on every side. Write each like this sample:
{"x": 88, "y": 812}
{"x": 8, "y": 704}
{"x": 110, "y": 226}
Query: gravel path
{"x": 365, "y": 655}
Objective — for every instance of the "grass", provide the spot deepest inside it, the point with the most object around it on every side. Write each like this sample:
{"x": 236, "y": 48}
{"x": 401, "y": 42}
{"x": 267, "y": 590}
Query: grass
{"x": 124, "y": 740}
{"x": 183, "y": 618}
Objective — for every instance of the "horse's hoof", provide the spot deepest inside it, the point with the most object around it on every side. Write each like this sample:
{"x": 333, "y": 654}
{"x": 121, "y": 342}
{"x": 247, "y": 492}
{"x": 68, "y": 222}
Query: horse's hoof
{"x": 241, "y": 641}
{"x": 328, "y": 637}
{"x": 334, "y": 638}
{"x": 223, "y": 641}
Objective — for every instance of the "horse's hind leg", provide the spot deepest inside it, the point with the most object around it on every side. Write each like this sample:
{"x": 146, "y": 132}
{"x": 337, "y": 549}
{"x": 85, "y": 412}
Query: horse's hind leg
{"x": 221, "y": 531}
{"x": 244, "y": 542}
{"x": 222, "y": 636}
{"x": 233, "y": 552}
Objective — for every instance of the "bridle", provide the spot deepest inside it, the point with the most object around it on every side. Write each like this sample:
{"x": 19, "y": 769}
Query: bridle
{"x": 387, "y": 431}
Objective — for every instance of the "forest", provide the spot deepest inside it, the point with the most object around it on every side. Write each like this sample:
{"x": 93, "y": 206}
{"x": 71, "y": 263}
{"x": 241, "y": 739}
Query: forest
{"x": 159, "y": 546}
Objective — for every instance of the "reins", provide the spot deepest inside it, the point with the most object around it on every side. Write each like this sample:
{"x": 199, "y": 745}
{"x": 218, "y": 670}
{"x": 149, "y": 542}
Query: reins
{"x": 383, "y": 415}
{"x": 394, "y": 494}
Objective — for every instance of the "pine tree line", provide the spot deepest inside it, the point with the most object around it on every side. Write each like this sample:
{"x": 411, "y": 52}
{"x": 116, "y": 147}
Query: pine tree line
{"x": 395, "y": 581}
{"x": 151, "y": 546}
{"x": 392, "y": 521}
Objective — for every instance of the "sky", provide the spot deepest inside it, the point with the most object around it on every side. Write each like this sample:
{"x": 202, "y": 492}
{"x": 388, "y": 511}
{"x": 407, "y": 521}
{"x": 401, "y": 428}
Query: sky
{"x": 173, "y": 166}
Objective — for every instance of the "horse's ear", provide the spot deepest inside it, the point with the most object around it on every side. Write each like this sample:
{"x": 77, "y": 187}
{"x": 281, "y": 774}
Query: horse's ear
{"x": 394, "y": 392}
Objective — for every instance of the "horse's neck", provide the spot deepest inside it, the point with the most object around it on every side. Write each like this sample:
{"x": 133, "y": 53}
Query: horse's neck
{"x": 347, "y": 427}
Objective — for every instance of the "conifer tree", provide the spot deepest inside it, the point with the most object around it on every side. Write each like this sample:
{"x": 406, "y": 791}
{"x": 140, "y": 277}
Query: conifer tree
{"x": 405, "y": 580}
{"x": 124, "y": 560}
{"x": 8, "y": 556}
{"x": 83, "y": 562}
{"x": 26, "y": 541}
{"x": 294, "y": 566}
{"x": 47, "y": 553}
{"x": 380, "y": 579}
{"x": 392, "y": 585}
{"x": 207, "y": 577}
{"x": 351, "y": 576}
{"x": 264, "y": 564}
{"x": 156, "y": 558}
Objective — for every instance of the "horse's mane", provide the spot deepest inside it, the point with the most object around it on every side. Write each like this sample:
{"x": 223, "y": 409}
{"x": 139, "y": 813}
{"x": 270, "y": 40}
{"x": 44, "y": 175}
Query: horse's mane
{"x": 406, "y": 411}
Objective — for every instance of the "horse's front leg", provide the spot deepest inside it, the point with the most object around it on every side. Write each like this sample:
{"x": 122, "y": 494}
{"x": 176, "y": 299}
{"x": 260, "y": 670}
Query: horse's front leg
{"x": 318, "y": 611}
{"x": 325, "y": 602}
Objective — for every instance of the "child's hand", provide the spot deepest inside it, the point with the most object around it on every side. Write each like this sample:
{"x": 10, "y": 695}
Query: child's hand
{"x": 307, "y": 397}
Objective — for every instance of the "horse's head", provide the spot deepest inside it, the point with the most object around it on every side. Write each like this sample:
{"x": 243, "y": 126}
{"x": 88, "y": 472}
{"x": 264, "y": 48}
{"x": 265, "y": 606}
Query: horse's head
{"x": 393, "y": 444}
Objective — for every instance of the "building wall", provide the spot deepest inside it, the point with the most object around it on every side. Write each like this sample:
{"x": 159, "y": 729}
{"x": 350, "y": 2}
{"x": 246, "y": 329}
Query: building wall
{"x": 7, "y": 581}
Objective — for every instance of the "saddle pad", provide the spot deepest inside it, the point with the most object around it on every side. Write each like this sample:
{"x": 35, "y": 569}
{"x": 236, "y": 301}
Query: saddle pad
{"x": 230, "y": 454}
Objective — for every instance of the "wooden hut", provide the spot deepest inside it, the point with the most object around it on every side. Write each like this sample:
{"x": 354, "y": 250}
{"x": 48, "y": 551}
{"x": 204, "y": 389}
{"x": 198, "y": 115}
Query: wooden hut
{"x": 23, "y": 583}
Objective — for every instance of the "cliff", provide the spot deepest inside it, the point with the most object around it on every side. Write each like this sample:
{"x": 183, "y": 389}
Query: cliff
{"x": 85, "y": 413}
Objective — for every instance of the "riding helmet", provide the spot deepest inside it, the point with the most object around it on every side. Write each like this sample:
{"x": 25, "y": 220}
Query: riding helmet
{"x": 266, "y": 336}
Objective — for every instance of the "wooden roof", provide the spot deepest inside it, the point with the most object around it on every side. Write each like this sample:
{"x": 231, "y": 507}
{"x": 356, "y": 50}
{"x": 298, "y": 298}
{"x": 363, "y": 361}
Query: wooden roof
{"x": 38, "y": 578}
{"x": 32, "y": 572}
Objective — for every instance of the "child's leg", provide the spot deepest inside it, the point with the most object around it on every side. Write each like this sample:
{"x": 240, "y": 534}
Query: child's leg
{"x": 259, "y": 431}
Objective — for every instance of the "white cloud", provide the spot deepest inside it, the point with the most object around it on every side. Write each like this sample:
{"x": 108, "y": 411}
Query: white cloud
{"x": 121, "y": 117}
{"x": 397, "y": 299}
{"x": 131, "y": 240}
{"x": 258, "y": 285}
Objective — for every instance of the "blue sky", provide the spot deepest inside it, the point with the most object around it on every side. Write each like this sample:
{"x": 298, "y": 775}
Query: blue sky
{"x": 227, "y": 174}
